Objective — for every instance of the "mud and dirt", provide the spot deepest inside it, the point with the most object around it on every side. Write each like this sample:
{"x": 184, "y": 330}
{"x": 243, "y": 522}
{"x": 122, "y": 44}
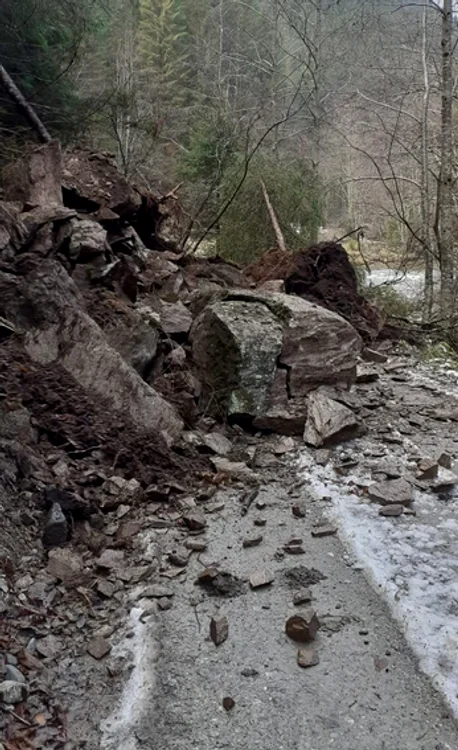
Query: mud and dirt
{"x": 323, "y": 274}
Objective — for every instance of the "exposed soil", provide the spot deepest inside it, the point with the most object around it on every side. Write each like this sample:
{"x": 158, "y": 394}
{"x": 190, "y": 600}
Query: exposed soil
{"x": 323, "y": 274}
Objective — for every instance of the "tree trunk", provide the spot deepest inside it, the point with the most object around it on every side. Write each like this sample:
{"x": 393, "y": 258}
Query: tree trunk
{"x": 276, "y": 226}
{"x": 445, "y": 193}
{"x": 425, "y": 193}
{"x": 23, "y": 106}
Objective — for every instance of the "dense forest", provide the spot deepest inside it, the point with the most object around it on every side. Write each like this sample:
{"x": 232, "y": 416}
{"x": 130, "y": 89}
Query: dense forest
{"x": 336, "y": 105}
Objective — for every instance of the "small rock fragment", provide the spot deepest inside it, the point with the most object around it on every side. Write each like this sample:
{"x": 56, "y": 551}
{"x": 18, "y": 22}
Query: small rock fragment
{"x": 247, "y": 672}
{"x": 56, "y": 528}
{"x": 303, "y": 627}
{"x": 444, "y": 480}
{"x": 365, "y": 374}
{"x": 156, "y": 591}
{"x": 196, "y": 545}
{"x": 66, "y": 566}
{"x": 195, "y": 520}
{"x": 325, "y": 529}
{"x": 106, "y": 589}
{"x": 50, "y": 646}
{"x": 294, "y": 548}
{"x": 12, "y": 673}
{"x": 228, "y": 703}
{"x": 179, "y": 557}
{"x": 445, "y": 460}
{"x": 252, "y": 541}
{"x": 391, "y": 492}
{"x": 322, "y": 456}
{"x": 207, "y": 576}
{"x": 427, "y": 469}
{"x": 163, "y": 603}
{"x": 302, "y": 597}
{"x": 307, "y": 657}
{"x": 110, "y": 558}
{"x": 234, "y": 469}
{"x": 328, "y": 419}
{"x": 98, "y": 648}
{"x": 219, "y": 630}
{"x": 392, "y": 510}
{"x": 299, "y": 510}
{"x": 261, "y": 578}
{"x": 12, "y": 692}
{"x": 372, "y": 355}
{"x": 260, "y": 521}
{"x": 283, "y": 445}
{"x": 217, "y": 443}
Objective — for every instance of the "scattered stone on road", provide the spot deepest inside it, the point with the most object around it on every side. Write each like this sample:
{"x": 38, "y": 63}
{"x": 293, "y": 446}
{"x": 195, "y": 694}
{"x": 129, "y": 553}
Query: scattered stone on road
{"x": 249, "y": 672}
{"x": 427, "y": 469}
{"x": 195, "y": 519}
{"x": 299, "y": 510}
{"x": 322, "y": 456}
{"x": 391, "y": 492}
{"x": 302, "y": 597}
{"x": 294, "y": 548}
{"x": 207, "y": 576}
{"x": 303, "y": 627}
{"x": 445, "y": 460}
{"x": 156, "y": 591}
{"x": 391, "y": 510}
{"x": 261, "y": 578}
{"x": 308, "y": 657}
{"x": 179, "y": 557}
{"x": 328, "y": 419}
{"x": 228, "y": 703}
{"x": 252, "y": 541}
{"x": 325, "y": 529}
{"x": 196, "y": 545}
{"x": 219, "y": 630}
{"x": 98, "y": 647}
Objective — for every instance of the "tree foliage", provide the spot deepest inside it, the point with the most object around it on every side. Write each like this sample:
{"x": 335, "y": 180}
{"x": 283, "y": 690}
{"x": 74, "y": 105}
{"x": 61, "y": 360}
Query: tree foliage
{"x": 40, "y": 41}
{"x": 245, "y": 231}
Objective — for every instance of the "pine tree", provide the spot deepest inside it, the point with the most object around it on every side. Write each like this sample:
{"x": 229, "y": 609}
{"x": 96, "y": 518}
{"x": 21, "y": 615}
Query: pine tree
{"x": 162, "y": 50}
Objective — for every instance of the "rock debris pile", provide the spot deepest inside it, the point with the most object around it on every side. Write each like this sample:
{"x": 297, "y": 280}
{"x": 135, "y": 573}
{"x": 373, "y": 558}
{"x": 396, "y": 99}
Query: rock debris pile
{"x": 128, "y": 371}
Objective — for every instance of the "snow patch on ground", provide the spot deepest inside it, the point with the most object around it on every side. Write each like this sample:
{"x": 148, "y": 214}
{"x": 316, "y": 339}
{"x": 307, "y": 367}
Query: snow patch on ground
{"x": 412, "y": 561}
{"x": 118, "y": 728}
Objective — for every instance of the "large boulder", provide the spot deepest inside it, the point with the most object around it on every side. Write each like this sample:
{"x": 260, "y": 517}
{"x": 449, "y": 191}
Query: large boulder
{"x": 13, "y": 232}
{"x": 236, "y": 344}
{"x": 92, "y": 181}
{"x": 46, "y": 305}
{"x": 36, "y": 179}
{"x": 261, "y": 354}
{"x": 318, "y": 345}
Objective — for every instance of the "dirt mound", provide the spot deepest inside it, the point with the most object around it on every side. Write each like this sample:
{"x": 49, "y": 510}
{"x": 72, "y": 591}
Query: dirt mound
{"x": 322, "y": 274}
{"x": 67, "y": 419}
